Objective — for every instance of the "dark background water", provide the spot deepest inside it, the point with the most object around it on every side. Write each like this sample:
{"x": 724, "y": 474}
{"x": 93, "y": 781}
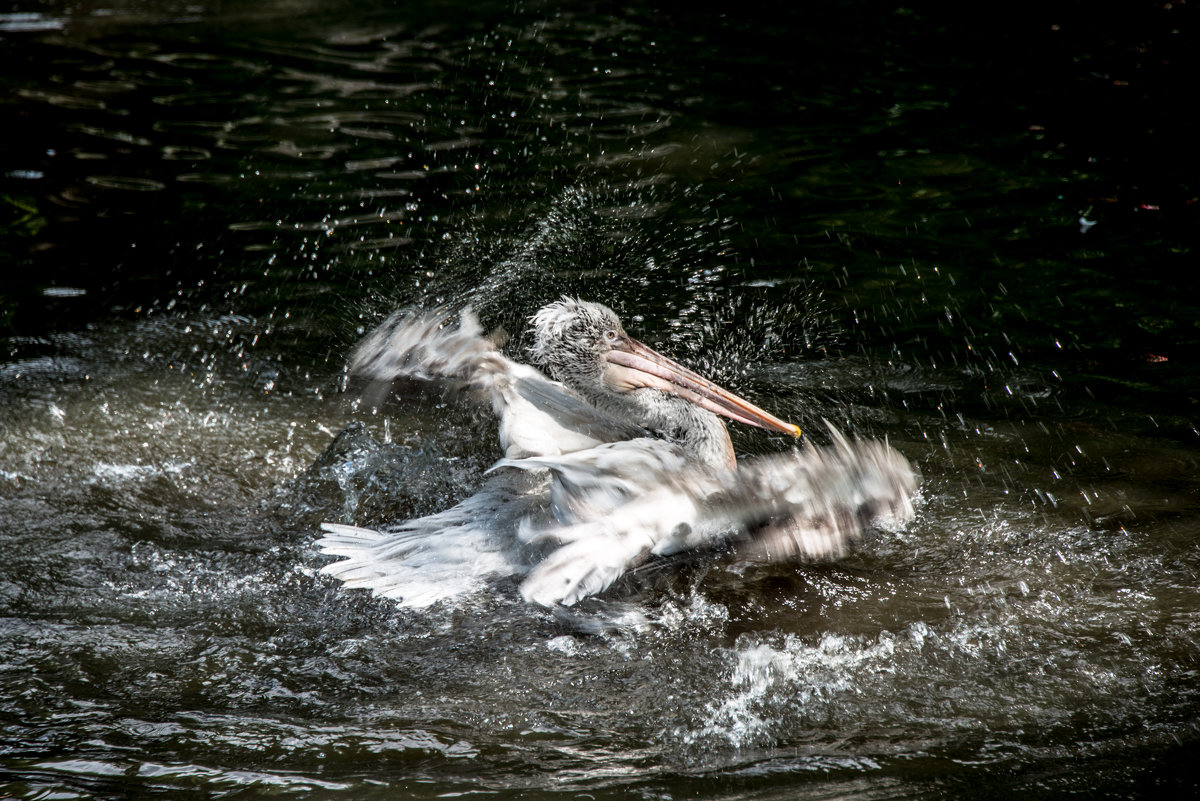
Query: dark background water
{"x": 971, "y": 230}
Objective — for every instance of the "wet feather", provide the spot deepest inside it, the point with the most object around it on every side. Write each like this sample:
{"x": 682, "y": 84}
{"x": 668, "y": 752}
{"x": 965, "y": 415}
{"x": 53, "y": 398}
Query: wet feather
{"x": 597, "y": 478}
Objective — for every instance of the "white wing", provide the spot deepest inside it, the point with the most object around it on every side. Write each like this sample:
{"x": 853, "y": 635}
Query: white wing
{"x": 809, "y": 504}
{"x": 589, "y": 484}
{"x": 538, "y": 417}
{"x": 444, "y": 556}
{"x": 813, "y": 504}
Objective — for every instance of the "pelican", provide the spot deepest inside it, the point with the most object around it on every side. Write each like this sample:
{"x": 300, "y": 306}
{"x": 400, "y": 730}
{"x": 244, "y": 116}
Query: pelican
{"x": 619, "y": 455}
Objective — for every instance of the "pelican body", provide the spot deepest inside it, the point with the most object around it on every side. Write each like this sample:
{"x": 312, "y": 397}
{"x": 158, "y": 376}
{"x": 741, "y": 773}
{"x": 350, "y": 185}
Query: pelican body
{"x": 619, "y": 455}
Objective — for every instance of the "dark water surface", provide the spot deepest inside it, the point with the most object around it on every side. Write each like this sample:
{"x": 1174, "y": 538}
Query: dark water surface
{"x": 974, "y": 236}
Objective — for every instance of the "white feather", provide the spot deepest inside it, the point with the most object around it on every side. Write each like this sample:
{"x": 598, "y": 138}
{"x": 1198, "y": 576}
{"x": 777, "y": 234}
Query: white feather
{"x": 601, "y": 490}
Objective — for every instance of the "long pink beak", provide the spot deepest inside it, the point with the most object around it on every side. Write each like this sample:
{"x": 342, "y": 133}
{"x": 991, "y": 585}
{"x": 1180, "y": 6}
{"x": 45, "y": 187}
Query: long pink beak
{"x": 633, "y": 365}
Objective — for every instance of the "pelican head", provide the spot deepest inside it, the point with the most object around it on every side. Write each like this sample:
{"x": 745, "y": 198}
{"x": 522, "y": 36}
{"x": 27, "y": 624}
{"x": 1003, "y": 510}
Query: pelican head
{"x": 583, "y": 345}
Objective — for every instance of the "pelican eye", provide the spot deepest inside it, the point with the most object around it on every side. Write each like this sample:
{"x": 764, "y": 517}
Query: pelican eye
{"x": 610, "y": 336}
